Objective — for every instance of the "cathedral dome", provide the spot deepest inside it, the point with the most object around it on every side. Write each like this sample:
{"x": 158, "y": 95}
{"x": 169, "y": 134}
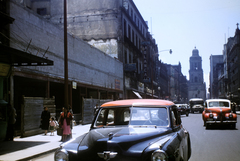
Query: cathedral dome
{"x": 195, "y": 52}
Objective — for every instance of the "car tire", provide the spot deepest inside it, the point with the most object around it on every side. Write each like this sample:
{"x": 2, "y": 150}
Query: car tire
{"x": 234, "y": 126}
{"x": 187, "y": 114}
{"x": 207, "y": 126}
{"x": 204, "y": 123}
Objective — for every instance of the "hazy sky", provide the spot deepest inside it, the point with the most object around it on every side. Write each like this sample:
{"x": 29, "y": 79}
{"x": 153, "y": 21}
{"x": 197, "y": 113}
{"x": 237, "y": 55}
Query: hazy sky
{"x": 181, "y": 25}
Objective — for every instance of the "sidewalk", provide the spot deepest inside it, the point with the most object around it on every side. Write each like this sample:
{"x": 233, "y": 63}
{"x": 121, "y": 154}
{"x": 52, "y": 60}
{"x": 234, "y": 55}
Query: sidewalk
{"x": 28, "y": 147}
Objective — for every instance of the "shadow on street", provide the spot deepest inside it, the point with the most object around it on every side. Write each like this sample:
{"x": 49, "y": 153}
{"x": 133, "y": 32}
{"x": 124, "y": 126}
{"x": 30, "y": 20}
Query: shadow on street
{"x": 12, "y": 146}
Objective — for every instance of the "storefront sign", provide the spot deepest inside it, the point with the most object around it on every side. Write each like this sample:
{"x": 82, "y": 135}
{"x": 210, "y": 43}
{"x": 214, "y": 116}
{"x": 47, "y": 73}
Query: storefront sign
{"x": 4, "y": 69}
{"x": 74, "y": 85}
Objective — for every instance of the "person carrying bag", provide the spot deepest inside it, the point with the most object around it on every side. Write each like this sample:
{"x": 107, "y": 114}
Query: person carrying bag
{"x": 64, "y": 123}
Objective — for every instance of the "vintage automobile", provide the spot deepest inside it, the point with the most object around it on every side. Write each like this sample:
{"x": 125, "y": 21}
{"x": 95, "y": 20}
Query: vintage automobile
{"x": 218, "y": 112}
{"x": 183, "y": 109}
{"x": 131, "y": 130}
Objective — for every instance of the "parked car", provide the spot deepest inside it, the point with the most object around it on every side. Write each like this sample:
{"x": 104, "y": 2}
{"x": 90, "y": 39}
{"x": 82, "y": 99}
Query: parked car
{"x": 131, "y": 130}
{"x": 218, "y": 112}
{"x": 183, "y": 109}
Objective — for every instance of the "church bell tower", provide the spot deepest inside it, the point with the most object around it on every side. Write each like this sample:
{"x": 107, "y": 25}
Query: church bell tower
{"x": 197, "y": 86}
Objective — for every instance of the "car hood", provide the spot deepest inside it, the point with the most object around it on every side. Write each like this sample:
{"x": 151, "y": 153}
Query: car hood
{"x": 218, "y": 109}
{"x": 122, "y": 140}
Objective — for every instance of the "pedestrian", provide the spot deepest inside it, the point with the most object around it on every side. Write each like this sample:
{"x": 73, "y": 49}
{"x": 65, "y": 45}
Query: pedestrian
{"x": 52, "y": 125}
{"x": 65, "y": 119}
{"x": 59, "y": 120}
{"x": 71, "y": 123}
{"x": 11, "y": 121}
{"x": 45, "y": 117}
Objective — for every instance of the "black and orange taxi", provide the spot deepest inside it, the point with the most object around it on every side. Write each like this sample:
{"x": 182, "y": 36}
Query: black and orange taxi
{"x": 131, "y": 130}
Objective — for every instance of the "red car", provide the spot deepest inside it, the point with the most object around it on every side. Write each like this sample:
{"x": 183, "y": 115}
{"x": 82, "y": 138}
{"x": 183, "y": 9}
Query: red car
{"x": 218, "y": 112}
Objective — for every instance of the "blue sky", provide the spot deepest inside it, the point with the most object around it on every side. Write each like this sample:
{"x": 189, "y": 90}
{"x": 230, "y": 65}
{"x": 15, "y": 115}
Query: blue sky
{"x": 181, "y": 25}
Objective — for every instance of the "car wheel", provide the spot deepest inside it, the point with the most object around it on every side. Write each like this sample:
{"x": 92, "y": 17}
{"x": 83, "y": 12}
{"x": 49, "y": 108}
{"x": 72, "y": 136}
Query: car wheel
{"x": 204, "y": 123}
{"x": 187, "y": 114}
{"x": 207, "y": 126}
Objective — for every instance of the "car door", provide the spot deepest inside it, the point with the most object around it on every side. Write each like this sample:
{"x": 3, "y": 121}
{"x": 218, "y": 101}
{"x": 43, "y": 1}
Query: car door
{"x": 182, "y": 146}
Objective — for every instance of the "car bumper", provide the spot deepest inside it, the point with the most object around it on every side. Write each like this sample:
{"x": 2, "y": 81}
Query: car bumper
{"x": 197, "y": 109}
{"x": 221, "y": 122}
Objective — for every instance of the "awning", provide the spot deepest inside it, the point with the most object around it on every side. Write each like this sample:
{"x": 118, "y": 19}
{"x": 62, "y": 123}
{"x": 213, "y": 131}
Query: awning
{"x": 17, "y": 57}
{"x": 137, "y": 94}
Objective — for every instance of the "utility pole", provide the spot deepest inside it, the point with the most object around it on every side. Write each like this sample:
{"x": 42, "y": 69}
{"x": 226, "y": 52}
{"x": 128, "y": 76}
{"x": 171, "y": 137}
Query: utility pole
{"x": 65, "y": 57}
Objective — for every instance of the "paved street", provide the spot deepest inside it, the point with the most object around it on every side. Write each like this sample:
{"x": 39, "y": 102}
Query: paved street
{"x": 215, "y": 144}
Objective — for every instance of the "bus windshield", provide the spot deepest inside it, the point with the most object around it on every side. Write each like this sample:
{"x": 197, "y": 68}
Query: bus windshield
{"x": 193, "y": 102}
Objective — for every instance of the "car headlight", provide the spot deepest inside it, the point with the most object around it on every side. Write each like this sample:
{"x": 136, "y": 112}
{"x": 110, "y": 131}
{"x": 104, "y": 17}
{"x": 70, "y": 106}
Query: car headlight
{"x": 61, "y": 155}
{"x": 211, "y": 115}
{"x": 159, "y": 155}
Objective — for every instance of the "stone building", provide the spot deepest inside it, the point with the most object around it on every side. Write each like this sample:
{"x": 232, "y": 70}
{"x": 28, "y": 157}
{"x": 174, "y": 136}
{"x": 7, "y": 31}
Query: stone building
{"x": 215, "y": 61}
{"x": 178, "y": 84}
{"x": 117, "y": 28}
{"x": 91, "y": 73}
{"x": 233, "y": 67}
{"x": 163, "y": 89}
{"x": 196, "y": 86}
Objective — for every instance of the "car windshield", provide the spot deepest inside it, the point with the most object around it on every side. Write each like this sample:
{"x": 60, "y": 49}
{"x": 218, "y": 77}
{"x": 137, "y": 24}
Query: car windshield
{"x": 218, "y": 104}
{"x": 135, "y": 116}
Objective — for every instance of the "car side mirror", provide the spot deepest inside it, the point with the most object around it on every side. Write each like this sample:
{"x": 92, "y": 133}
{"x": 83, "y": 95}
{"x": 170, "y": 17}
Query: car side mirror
{"x": 179, "y": 120}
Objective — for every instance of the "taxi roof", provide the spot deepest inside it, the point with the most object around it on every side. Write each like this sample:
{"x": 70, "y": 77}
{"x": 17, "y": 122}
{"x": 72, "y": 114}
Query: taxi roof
{"x": 138, "y": 102}
{"x": 217, "y": 100}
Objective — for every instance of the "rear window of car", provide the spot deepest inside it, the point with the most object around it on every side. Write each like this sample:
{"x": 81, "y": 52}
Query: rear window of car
{"x": 136, "y": 116}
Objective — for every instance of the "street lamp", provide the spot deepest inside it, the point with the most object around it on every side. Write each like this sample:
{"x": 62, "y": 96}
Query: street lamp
{"x": 170, "y": 50}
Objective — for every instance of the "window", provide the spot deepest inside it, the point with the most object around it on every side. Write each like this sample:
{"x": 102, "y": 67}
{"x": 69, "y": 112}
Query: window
{"x": 136, "y": 116}
{"x": 113, "y": 117}
{"x": 129, "y": 32}
{"x": 42, "y": 11}
{"x": 149, "y": 116}
{"x": 219, "y": 104}
{"x": 130, "y": 58}
{"x": 133, "y": 37}
{"x": 126, "y": 57}
{"x": 125, "y": 28}
{"x": 195, "y": 79}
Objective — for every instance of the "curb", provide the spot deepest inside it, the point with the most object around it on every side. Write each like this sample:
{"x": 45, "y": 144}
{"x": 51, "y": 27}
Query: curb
{"x": 38, "y": 155}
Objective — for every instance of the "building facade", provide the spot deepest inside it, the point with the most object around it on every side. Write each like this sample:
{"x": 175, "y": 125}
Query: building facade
{"x": 215, "y": 61}
{"x": 224, "y": 70}
{"x": 233, "y": 67}
{"x": 91, "y": 73}
{"x": 178, "y": 84}
{"x": 117, "y": 28}
{"x": 196, "y": 86}
{"x": 163, "y": 89}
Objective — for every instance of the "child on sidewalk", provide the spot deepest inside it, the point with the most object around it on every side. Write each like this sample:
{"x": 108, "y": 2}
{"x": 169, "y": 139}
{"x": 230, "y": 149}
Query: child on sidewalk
{"x": 52, "y": 125}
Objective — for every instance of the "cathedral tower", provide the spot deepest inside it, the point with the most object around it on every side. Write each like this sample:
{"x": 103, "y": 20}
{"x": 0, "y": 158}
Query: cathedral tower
{"x": 197, "y": 86}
